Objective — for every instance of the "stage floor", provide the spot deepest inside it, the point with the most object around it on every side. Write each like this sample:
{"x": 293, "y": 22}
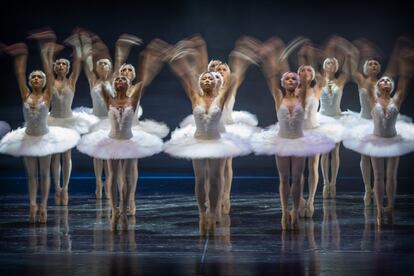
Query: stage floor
{"x": 163, "y": 238}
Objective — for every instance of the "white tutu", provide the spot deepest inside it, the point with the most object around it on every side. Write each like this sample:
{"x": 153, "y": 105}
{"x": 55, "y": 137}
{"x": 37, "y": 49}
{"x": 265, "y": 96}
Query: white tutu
{"x": 4, "y": 128}
{"x": 239, "y": 117}
{"x": 81, "y": 121}
{"x": 183, "y": 145}
{"x": 350, "y": 119}
{"x": 89, "y": 110}
{"x": 158, "y": 129}
{"x": 267, "y": 142}
{"x": 244, "y": 124}
{"x": 362, "y": 140}
{"x": 330, "y": 127}
{"x": 99, "y": 145}
{"x": 243, "y": 130}
{"x": 57, "y": 140}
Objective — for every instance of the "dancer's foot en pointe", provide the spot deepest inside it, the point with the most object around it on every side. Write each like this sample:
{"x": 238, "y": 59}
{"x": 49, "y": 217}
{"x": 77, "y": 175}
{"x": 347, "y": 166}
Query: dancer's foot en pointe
{"x": 58, "y": 198}
{"x": 326, "y": 191}
{"x": 64, "y": 196}
{"x": 32, "y": 213}
{"x": 43, "y": 214}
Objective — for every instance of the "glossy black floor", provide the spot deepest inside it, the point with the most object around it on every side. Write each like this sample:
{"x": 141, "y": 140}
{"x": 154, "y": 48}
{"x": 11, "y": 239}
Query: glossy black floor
{"x": 163, "y": 238}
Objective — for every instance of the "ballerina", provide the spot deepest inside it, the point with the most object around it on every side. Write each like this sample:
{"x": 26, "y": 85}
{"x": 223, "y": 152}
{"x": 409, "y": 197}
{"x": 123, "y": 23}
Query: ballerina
{"x": 94, "y": 48}
{"x": 36, "y": 142}
{"x": 206, "y": 143}
{"x": 287, "y": 140}
{"x": 61, "y": 113}
{"x": 312, "y": 120}
{"x": 122, "y": 145}
{"x": 371, "y": 71}
{"x": 318, "y": 123}
{"x": 151, "y": 126}
{"x": 241, "y": 123}
{"x": 332, "y": 85}
{"x": 387, "y": 138}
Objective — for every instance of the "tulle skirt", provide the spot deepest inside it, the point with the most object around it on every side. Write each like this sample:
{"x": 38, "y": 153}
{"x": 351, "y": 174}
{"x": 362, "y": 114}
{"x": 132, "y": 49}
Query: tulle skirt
{"x": 237, "y": 117}
{"x": 350, "y": 119}
{"x": 57, "y": 140}
{"x": 267, "y": 142}
{"x": 158, "y": 129}
{"x": 80, "y": 122}
{"x": 330, "y": 127}
{"x": 243, "y": 124}
{"x": 183, "y": 145}
{"x": 89, "y": 110}
{"x": 99, "y": 145}
{"x": 362, "y": 140}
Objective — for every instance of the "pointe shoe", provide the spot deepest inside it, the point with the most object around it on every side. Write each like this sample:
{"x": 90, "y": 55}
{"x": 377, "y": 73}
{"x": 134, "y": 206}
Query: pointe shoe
{"x": 302, "y": 208}
{"x": 380, "y": 217}
{"x": 124, "y": 221}
{"x": 32, "y": 214}
{"x": 294, "y": 219}
{"x": 65, "y": 197}
{"x": 132, "y": 208}
{"x": 310, "y": 209}
{"x": 325, "y": 191}
{"x": 43, "y": 214}
{"x": 202, "y": 224}
{"x": 225, "y": 207}
{"x": 332, "y": 191}
{"x": 211, "y": 224}
{"x": 284, "y": 223}
{"x": 367, "y": 198}
{"x": 58, "y": 198}
{"x": 107, "y": 189}
{"x": 114, "y": 220}
{"x": 98, "y": 191}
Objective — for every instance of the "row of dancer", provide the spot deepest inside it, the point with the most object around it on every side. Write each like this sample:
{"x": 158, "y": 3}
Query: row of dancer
{"x": 204, "y": 137}
{"x": 50, "y": 136}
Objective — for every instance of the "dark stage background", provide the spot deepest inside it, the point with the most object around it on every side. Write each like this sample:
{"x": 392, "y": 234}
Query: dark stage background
{"x": 221, "y": 23}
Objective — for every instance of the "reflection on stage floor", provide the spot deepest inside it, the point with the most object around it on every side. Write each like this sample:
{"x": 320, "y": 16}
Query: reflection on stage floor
{"x": 163, "y": 238}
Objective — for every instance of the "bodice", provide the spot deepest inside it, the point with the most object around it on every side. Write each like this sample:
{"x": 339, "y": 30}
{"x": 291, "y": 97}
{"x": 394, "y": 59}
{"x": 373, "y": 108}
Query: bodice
{"x": 36, "y": 118}
{"x": 208, "y": 122}
{"x": 98, "y": 102}
{"x": 61, "y": 102}
{"x": 385, "y": 120}
{"x": 311, "y": 112}
{"x": 290, "y": 123}
{"x": 365, "y": 106}
{"x": 121, "y": 122}
{"x": 331, "y": 96}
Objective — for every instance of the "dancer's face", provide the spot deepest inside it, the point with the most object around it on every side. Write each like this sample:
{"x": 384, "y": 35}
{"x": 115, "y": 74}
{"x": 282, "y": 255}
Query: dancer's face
{"x": 61, "y": 67}
{"x": 121, "y": 83}
{"x": 306, "y": 73}
{"x": 37, "y": 80}
{"x": 385, "y": 86}
{"x": 373, "y": 68}
{"x": 207, "y": 81}
{"x": 290, "y": 82}
{"x": 103, "y": 67}
{"x": 127, "y": 71}
{"x": 224, "y": 72}
{"x": 330, "y": 66}
{"x": 213, "y": 65}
